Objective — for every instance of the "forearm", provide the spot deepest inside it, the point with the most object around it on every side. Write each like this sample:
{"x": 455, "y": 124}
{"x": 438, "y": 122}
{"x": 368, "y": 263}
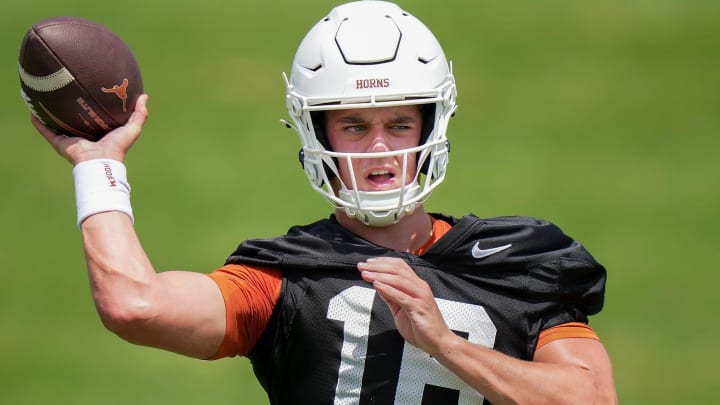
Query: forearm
{"x": 506, "y": 380}
{"x": 120, "y": 273}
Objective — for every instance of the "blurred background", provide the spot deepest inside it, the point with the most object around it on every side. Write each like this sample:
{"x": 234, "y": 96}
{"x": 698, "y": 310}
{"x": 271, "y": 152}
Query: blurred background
{"x": 602, "y": 117}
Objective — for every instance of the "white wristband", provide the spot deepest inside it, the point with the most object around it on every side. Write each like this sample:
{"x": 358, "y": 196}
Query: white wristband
{"x": 100, "y": 186}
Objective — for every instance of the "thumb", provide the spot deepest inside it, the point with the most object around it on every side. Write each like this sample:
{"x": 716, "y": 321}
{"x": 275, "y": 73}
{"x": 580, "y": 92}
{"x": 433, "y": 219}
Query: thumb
{"x": 122, "y": 138}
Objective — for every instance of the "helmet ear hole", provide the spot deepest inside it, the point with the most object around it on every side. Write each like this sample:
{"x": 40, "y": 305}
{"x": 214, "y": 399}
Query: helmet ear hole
{"x": 428, "y": 125}
{"x": 428, "y": 121}
{"x": 319, "y": 128}
{"x": 318, "y": 122}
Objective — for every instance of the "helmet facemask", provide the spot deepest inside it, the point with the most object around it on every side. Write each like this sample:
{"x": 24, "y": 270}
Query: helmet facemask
{"x": 415, "y": 74}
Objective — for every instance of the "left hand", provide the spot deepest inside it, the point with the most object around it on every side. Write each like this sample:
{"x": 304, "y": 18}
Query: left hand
{"x": 412, "y": 303}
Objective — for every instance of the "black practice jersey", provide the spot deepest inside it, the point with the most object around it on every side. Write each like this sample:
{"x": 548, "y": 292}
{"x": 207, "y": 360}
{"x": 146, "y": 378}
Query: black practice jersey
{"x": 332, "y": 340}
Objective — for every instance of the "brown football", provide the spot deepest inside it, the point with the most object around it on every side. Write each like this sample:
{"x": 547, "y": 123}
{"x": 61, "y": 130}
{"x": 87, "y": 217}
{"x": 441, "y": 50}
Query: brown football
{"x": 78, "y": 77}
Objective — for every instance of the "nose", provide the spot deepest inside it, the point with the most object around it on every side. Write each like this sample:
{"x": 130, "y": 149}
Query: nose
{"x": 379, "y": 141}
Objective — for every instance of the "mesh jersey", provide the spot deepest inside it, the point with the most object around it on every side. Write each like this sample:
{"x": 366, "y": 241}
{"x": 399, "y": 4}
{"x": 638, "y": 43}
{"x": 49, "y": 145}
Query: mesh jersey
{"x": 330, "y": 332}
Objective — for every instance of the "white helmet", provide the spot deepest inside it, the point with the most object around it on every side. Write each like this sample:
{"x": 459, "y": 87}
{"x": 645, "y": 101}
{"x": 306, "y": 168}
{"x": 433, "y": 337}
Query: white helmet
{"x": 371, "y": 54}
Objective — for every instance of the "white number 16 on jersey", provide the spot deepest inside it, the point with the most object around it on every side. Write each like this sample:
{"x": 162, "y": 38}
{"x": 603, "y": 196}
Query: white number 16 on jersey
{"x": 353, "y": 306}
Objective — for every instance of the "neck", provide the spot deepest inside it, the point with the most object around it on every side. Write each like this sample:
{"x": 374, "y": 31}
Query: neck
{"x": 407, "y": 235}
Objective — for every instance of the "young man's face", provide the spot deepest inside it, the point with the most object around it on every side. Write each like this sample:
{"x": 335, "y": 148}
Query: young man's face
{"x": 367, "y": 130}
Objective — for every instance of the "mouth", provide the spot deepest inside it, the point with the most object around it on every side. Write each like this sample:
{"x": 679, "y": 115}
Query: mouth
{"x": 381, "y": 178}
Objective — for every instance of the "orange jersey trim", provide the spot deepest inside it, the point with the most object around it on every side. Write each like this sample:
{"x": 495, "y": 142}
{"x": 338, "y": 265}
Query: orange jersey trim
{"x": 565, "y": 331}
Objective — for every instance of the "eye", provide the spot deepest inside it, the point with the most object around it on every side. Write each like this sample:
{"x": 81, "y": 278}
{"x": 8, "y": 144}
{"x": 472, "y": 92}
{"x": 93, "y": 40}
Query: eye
{"x": 401, "y": 128}
{"x": 355, "y": 129}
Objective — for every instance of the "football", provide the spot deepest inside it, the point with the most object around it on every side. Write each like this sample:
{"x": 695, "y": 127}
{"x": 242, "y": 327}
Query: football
{"x": 78, "y": 77}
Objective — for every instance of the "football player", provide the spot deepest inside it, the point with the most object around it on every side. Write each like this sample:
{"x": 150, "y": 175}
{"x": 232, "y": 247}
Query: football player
{"x": 382, "y": 302}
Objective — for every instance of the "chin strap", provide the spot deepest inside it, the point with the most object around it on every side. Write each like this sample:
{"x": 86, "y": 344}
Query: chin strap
{"x": 380, "y": 208}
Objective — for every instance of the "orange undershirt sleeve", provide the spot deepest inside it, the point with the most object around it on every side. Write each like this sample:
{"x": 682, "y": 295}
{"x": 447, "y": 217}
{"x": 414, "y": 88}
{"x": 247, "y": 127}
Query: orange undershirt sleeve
{"x": 250, "y": 295}
{"x": 564, "y": 331}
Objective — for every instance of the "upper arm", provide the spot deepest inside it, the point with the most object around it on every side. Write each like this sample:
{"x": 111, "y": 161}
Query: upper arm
{"x": 178, "y": 311}
{"x": 588, "y": 354}
{"x": 186, "y": 315}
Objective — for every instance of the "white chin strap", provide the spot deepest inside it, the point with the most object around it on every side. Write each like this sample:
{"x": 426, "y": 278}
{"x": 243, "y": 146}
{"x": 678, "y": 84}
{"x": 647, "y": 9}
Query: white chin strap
{"x": 380, "y": 208}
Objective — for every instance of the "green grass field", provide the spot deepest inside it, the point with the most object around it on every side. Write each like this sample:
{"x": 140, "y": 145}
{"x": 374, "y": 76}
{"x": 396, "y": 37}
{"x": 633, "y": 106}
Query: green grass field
{"x": 602, "y": 117}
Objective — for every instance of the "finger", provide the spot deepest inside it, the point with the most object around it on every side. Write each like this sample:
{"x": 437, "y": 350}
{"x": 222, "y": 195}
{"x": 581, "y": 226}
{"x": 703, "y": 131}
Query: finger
{"x": 418, "y": 302}
{"x": 396, "y": 299}
{"x": 118, "y": 142}
{"x": 137, "y": 118}
{"x": 386, "y": 265}
{"x": 130, "y": 131}
{"x": 406, "y": 283}
{"x": 389, "y": 299}
{"x": 374, "y": 271}
{"x": 59, "y": 142}
{"x": 373, "y": 276}
{"x": 140, "y": 114}
{"x": 48, "y": 133}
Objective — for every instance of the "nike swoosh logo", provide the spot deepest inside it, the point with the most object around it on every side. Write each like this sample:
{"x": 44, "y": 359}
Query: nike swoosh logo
{"x": 482, "y": 253}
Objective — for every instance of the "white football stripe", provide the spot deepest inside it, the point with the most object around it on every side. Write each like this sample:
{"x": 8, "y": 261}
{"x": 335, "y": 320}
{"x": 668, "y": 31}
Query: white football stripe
{"x": 51, "y": 82}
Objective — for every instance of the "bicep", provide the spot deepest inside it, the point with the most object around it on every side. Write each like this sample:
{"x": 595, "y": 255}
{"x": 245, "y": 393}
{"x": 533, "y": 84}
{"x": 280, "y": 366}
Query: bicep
{"x": 588, "y": 354}
{"x": 188, "y": 315}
